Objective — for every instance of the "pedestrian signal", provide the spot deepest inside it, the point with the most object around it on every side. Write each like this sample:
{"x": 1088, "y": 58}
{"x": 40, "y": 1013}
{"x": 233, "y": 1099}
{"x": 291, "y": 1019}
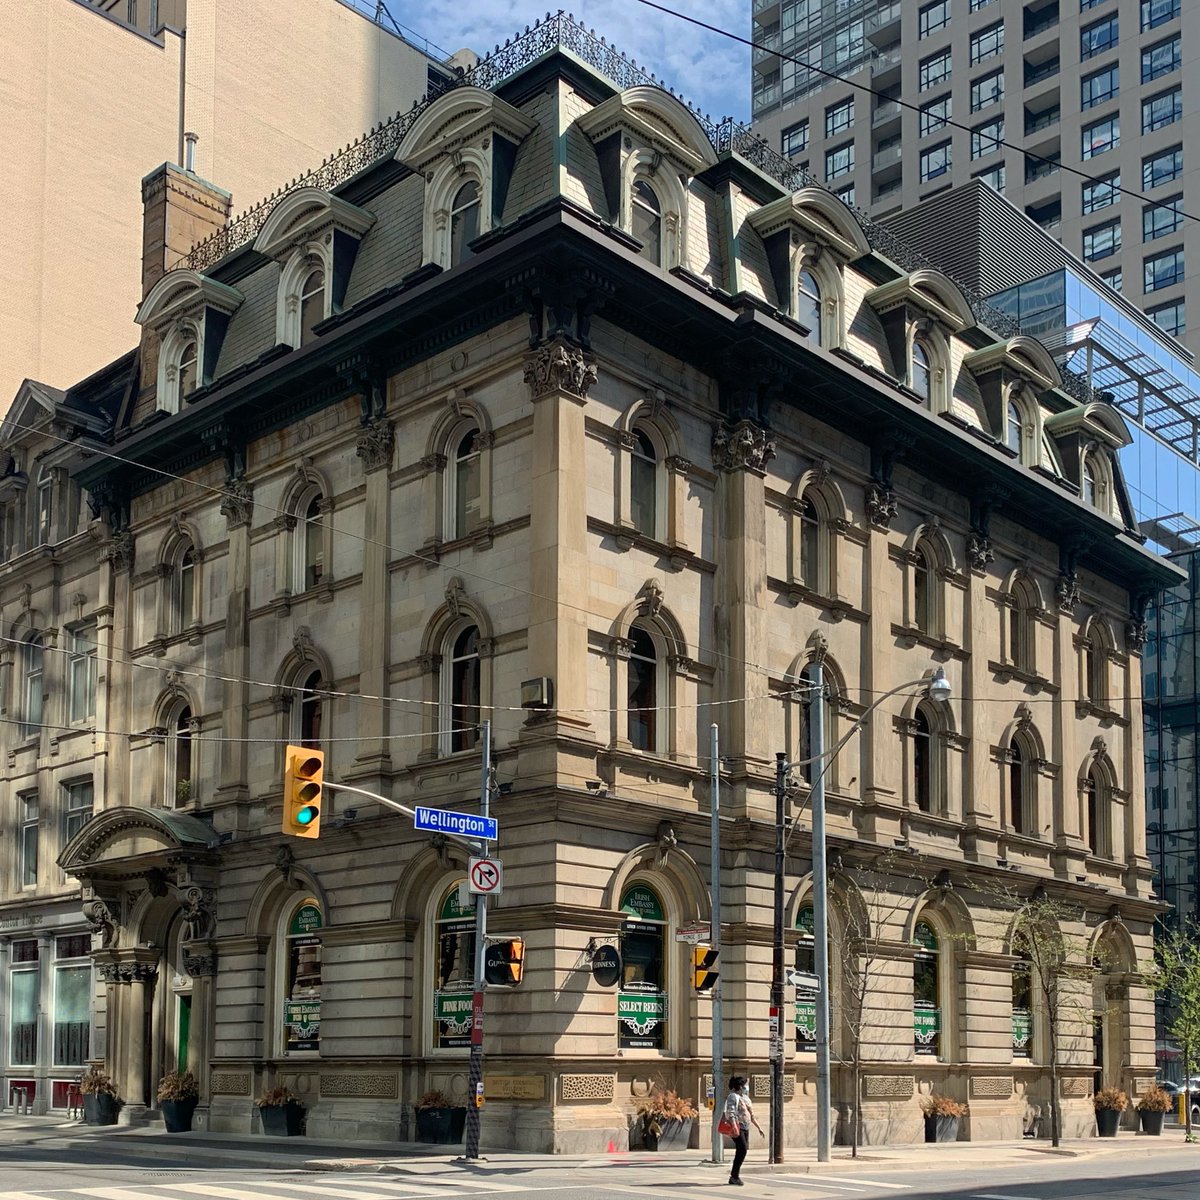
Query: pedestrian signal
{"x": 503, "y": 962}
{"x": 303, "y": 783}
{"x": 704, "y": 968}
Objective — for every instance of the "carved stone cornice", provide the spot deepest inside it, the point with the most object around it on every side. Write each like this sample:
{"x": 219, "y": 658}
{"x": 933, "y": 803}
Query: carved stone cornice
{"x": 559, "y": 367}
{"x": 375, "y": 445}
{"x": 237, "y": 505}
{"x": 742, "y": 446}
{"x": 202, "y": 963}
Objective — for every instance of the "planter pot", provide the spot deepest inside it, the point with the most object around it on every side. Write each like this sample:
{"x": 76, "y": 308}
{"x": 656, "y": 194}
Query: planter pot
{"x": 941, "y": 1129}
{"x": 282, "y": 1120}
{"x": 1152, "y": 1122}
{"x": 99, "y": 1108}
{"x": 673, "y": 1135}
{"x": 442, "y": 1126}
{"x": 177, "y": 1114}
{"x": 1107, "y": 1121}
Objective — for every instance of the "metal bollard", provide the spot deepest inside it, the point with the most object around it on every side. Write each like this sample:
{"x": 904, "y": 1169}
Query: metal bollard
{"x": 18, "y": 1101}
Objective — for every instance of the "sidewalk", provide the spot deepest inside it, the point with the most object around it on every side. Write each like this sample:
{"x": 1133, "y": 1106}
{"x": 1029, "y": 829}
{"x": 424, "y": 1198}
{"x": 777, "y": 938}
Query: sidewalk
{"x": 310, "y": 1154}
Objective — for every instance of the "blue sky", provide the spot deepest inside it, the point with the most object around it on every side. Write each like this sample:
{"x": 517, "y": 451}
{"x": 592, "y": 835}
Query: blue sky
{"x": 711, "y": 71}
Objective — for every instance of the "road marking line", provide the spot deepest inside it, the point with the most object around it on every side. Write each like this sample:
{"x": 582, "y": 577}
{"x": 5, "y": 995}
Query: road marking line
{"x": 997, "y": 1196}
{"x": 879, "y": 1183}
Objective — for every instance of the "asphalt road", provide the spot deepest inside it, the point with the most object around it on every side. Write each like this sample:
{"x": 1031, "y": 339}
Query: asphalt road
{"x": 32, "y": 1173}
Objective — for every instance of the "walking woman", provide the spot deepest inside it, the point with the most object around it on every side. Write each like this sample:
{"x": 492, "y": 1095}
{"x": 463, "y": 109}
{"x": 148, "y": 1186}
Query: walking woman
{"x": 741, "y": 1112}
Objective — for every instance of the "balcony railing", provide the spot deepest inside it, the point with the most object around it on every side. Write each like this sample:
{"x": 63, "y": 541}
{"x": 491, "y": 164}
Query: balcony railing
{"x": 1042, "y": 120}
{"x": 1045, "y": 70}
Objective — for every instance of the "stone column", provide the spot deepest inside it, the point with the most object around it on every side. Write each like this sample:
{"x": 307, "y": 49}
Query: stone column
{"x": 559, "y": 377}
{"x": 114, "y": 695}
{"x": 45, "y": 1023}
{"x": 741, "y": 451}
{"x": 238, "y": 509}
{"x": 979, "y": 809}
{"x": 200, "y": 962}
{"x": 1065, "y": 749}
{"x": 882, "y": 766}
{"x": 373, "y": 762}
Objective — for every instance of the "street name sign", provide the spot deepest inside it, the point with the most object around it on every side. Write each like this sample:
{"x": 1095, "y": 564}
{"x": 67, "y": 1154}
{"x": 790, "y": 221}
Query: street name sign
{"x": 695, "y": 934}
{"x": 441, "y": 820}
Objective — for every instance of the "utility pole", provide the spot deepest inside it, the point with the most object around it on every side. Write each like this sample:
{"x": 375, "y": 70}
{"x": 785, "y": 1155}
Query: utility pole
{"x": 718, "y": 1048}
{"x": 775, "y": 1154}
{"x": 820, "y": 892}
{"x": 475, "y": 1070}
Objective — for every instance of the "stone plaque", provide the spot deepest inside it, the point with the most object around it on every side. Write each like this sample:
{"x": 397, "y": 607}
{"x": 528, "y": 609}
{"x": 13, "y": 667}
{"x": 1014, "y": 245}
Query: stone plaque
{"x": 586, "y": 1087}
{"x": 991, "y": 1087}
{"x": 760, "y": 1087}
{"x": 1076, "y": 1088}
{"x": 382, "y": 1087}
{"x": 230, "y": 1083}
{"x": 887, "y": 1087}
{"x": 514, "y": 1087}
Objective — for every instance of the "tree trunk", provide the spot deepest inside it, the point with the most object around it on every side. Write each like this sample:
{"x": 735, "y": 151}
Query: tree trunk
{"x": 857, "y": 1134}
{"x": 1055, "y": 1122}
{"x": 1187, "y": 1093}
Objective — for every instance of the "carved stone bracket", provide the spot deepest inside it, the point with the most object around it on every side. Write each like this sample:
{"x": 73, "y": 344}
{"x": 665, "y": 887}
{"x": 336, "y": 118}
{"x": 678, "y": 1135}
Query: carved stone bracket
{"x": 742, "y": 446}
{"x": 1066, "y": 592}
{"x": 119, "y": 551}
{"x": 979, "y": 550}
{"x": 559, "y": 367}
{"x": 881, "y": 504}
{"x": 100, "y": 920}
{"x": 199, "y": 913}
{"x": 203, "y": 963}
{"x": 1135, "y": 634}
{"x": 375, "y": 445}
{"x": 237, "y": 506}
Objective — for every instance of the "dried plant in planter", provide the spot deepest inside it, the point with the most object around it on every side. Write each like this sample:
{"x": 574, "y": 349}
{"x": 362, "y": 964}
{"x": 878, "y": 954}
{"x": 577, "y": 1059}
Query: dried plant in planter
{"x": 94, "y": 1082}
{"x": 178, "y": 1085}
{"x": 1110, "y": 1097}
{"x": 435, "y": 1098}
{"x": 1154, "y": 1099}
{"x": 277, "y": 1097}
{"x": 663, "y": 1105}
{"x": 936, "y": 1105}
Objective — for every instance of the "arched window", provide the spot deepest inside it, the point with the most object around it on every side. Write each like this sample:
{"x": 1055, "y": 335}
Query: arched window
{"x": 464, "y": 221}
{"x": 185, "y": 373}
{"x": 44, "y": 516}
{"x": 177, "y": 788}
{"x": 808, "y": 304}
{"x": 467, "y": 478}
{"x": 808, "y": 698}
{"x": 643, "y": 485}
{"x": 460, "y": 716}
{"x": 1021, "y": 817}
{"x": 312, "y": 303}
{"x": 1095, "y": 666}
{"x": 185, "y": 588}
{"x": 454, "y": 969}
{"x": 642, "y": 999}
{"x": 810, "y": 545}
{"x": 309, "y": 707}
{"x": 1022, "y": 631}
{"x": 1014, "y": 436}
{"x": 927, "y": 992}
{"x": 308, "y": 542}
{"x": 1097, "y": 799}
{"x": 922, "y": 372}
{"x": 32, "y": 686}
{"x": 644, "y": 691}
{"x": 646, "y": 220}
{"x": 923, "y": 761}
{"x": 300, "y": 1019}
{"x": 806, "y": 1001}
{"x": 925, "y": 607}
{"x": 1089, "y": 489}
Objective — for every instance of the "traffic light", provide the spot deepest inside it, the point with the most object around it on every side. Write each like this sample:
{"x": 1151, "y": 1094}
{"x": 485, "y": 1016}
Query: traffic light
{"x": 503, "y": 962}
{"x": 704, "y": 968}
{"x": 303, "y": 778}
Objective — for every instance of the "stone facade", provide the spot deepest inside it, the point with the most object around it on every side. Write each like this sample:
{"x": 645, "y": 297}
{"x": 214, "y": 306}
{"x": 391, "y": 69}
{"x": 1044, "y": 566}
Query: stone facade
{"x": 610, "y": 463}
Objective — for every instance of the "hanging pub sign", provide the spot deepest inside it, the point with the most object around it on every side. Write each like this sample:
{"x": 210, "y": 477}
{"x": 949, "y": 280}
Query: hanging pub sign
{"x": 606, "y": 966}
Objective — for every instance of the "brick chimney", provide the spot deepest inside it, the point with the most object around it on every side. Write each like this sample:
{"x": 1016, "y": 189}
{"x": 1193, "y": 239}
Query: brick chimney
{"x": 179, "y": 209}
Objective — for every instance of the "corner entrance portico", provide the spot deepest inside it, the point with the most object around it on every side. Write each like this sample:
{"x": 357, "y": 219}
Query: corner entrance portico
{"x": 149, "y": 892}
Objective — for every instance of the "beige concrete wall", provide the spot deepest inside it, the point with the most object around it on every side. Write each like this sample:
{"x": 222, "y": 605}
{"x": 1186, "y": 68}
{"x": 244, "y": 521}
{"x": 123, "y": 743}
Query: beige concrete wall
{"x": 88, "y": 106}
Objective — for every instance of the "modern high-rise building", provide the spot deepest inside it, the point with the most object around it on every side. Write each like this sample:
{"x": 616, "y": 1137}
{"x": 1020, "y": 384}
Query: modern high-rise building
{"x": 1092, "y": 85}
{"x": 93, "y": 97}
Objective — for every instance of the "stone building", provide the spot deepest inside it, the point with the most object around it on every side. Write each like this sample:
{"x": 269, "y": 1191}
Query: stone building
{"x": 557, "y": 406}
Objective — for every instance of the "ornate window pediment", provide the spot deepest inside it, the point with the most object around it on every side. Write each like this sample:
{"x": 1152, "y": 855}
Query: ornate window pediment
{"x": 655, "y": 120}
{"x": 314, "y": 237}
{"x": 927, "y": 293}
{"x": 466, "y": 136}
{"x": 189, "y": 312}
{"x": 1011, "y": 375}
{"x": 813, "y": 215}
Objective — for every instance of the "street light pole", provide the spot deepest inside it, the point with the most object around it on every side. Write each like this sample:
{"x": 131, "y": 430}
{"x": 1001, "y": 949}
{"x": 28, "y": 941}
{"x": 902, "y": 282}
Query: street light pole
{"x": 475, "y": 1067}
{"x": 775, "y": 1154}
{"x": 718, "y": 1048}
{"x": 816, "y": 709}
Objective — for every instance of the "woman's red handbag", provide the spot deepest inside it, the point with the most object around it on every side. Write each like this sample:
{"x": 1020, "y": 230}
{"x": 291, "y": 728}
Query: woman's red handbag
{"x": 727, "y": 1127}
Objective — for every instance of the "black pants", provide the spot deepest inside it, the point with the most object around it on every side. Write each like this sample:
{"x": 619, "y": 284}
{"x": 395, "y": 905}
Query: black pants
{"x": 741, "y": 1144}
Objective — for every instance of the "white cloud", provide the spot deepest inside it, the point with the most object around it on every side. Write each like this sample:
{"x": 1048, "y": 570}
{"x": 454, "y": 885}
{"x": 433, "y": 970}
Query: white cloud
{"x": 710, "y": 70}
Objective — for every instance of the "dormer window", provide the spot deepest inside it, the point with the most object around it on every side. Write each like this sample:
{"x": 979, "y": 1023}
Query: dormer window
{"x": 464, "y": 221}
{"x": 312, "y": 304}
{"x": 1088, "y": 489}
{"x": 921, "y": 377}
{"x": 646, "y": 221}
{"x": 808, "y": 304}
{"x": 1013, "y": 428}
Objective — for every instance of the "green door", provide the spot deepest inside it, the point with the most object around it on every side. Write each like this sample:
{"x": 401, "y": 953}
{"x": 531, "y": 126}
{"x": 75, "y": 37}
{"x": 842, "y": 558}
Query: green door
{"x": 185, "y": 1022}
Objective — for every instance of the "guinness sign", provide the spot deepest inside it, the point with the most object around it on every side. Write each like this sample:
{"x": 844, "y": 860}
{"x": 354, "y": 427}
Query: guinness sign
{"x": 606, "y": 966}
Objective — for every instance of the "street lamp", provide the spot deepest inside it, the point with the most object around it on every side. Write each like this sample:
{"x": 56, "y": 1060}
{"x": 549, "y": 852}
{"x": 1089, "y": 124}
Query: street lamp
{"x": 937, "y": 687}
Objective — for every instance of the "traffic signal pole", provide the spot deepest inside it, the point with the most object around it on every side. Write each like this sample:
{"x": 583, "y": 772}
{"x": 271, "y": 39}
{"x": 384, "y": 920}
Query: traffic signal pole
{"x": 475, "y": 1070}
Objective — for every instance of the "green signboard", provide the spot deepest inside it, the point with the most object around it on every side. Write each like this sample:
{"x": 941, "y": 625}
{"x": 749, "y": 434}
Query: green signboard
{"x": 927, "y": 1023}
{"x": 806, "y": 1024}
{"x": 806, "y": 922}
{"x": 641, "y": 1019}
{"x": 306, "y": 919}
{"x": 641, "y": 902}
{"x": 1022, "y": 1030}
{"x": 452, "y": 910}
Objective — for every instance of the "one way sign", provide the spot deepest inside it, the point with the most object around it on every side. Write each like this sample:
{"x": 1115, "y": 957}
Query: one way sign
{"x": 485, "y": 877}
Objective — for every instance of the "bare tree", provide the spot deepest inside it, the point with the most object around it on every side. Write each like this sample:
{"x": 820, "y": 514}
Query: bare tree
{"x": 1176, "y": 975}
